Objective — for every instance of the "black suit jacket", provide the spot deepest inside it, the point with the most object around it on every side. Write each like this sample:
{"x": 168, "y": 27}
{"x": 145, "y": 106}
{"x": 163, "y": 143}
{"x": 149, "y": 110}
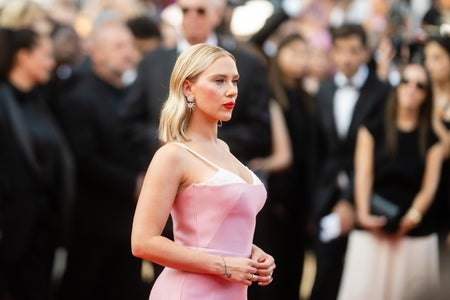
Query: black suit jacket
{"x": 333, "y": 153}
{"x": 25, "y": 196}
{"x": 105, "y": 169}
{"x": 247, "y": 133}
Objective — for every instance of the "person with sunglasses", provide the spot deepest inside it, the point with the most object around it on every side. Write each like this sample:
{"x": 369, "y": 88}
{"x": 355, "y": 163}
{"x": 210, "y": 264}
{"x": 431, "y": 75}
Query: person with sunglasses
{"x": 399, "y": 159}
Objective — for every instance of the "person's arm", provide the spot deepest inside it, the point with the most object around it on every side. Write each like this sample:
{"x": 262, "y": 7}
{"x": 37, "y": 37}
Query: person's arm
{"x": 161, "y": 185}
{"x": 424, "y": 198}
{"x": 442, "y": 133}
{"x": 364, "y": 170}
{"x": 385, "y": 54}
{"x": 281, "y": 156}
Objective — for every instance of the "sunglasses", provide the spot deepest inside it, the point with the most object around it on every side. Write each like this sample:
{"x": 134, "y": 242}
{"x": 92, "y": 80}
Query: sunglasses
{"x": 201, "y": 11}
{"x": 418, "y": 85}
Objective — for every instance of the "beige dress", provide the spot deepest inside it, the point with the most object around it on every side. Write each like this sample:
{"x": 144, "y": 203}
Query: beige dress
{"x": 378, "y": 269}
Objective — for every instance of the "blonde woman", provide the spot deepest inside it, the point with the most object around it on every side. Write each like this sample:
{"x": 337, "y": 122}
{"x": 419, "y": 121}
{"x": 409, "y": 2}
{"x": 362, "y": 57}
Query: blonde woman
{"x": 213, "y": 199}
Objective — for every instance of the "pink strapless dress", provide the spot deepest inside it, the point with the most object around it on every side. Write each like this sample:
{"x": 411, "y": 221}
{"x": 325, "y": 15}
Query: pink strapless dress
{"x": 217, "y": 217}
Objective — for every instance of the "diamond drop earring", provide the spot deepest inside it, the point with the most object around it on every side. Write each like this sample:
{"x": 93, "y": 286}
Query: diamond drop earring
{"x": 190, "y": 102}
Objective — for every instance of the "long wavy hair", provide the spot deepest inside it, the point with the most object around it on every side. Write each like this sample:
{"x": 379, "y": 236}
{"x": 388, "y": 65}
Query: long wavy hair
{"x": 423, "y": 122}
{"x": 175, "y": 115}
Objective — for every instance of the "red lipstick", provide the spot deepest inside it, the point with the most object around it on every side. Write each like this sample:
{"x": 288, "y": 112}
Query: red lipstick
{"x": 229, "y": 105}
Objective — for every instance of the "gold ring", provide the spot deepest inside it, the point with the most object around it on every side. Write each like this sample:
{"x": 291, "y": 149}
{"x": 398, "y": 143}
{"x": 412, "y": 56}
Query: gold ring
{"x": 253, "y": 278}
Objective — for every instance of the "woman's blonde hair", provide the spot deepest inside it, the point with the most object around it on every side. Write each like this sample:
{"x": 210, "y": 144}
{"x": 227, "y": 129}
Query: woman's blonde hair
{"x": 175, "y": 115}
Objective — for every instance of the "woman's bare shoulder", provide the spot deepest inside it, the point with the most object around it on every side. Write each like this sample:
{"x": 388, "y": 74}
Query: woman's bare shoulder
{"x": 170, "y": 153}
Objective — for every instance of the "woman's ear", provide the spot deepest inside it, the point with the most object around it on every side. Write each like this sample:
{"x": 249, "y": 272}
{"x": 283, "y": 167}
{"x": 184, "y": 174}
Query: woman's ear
{"x": 187, "y": 88}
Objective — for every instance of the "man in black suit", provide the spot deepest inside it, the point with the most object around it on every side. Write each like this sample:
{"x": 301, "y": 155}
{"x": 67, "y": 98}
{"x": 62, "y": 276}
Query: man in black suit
{"x": 353, "y": 96}
{"x": 248, "y": 132}
{"x": 100, "y": 264}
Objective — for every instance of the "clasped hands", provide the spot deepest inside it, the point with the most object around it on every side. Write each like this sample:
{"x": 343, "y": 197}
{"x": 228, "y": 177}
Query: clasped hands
{"x": 258, "y": 268}
{"x": 375, "y": 225}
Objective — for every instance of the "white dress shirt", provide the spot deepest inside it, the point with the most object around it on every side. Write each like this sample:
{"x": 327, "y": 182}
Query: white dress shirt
{"x": 345, "y": 98}
{"x": 344, "y": 103}
{"x": 183, "y": 44}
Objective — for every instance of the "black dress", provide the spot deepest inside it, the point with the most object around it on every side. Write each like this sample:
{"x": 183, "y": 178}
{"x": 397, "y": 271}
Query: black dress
{"x": 281, "y": 225}
{"x": 444, "y": 216}
{"x": 444, "y": 190}
{"x": 398, "y": 176}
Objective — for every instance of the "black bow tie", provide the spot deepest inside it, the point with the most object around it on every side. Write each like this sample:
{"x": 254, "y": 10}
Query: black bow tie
{"x": 348, "y": 84}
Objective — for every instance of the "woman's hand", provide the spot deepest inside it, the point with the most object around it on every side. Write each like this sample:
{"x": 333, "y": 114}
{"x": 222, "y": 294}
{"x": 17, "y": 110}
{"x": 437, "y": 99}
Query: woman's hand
{"x": 372, "y": 223}
{"x": 406, "y": 225}
{"x": 240, "y": 270}
{"x": 266, "y": 266}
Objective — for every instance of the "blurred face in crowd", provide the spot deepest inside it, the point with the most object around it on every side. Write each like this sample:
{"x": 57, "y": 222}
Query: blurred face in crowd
{"x": 37, "y": 64}
{"x": 349, "y": 54}
{"x": 200, "y": 18}
{"x": 412, "y": 90}
{"x": 113, "y": 50}
{"x": 437, "y": 61}
{"x": 67, "y": 46}
{"x": 292, "y": 59}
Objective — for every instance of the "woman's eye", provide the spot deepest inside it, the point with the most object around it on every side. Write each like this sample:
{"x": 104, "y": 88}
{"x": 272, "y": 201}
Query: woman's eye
{"x": 220, "y": 80}
{"x": 235, "y": 81}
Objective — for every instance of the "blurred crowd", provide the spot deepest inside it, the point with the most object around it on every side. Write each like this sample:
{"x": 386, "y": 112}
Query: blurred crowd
{"x": 81, "y": 88}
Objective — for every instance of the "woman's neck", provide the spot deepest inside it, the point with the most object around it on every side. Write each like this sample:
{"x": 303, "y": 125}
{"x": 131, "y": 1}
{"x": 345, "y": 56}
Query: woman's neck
{"x": 407, "y": 119}
{"x": 201, "y": 132}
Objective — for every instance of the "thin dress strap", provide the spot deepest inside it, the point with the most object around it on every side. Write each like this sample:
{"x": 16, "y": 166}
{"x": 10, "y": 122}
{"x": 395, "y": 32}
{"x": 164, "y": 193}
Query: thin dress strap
{"x": 199, "y": 155}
